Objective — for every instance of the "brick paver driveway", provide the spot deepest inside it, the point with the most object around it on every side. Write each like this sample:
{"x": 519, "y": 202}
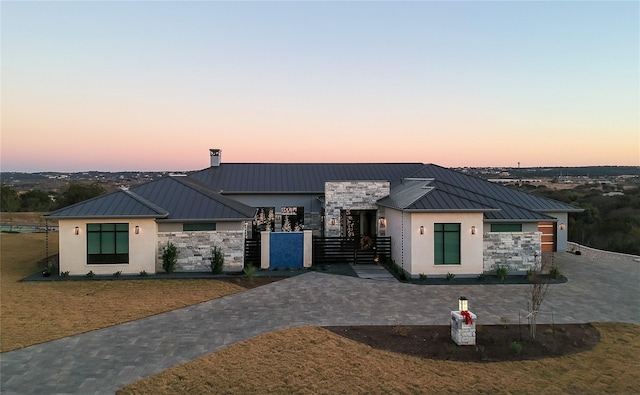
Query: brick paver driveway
{"x": 104, "y": 360}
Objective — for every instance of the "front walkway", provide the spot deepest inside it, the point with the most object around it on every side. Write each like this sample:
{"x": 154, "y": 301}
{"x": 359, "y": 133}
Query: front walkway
{"x": 105, "y": 360}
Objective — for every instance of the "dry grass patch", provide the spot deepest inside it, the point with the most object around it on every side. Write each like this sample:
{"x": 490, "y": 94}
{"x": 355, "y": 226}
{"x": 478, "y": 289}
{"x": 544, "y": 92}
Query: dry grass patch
{"x": 312, "y": 360}
{"x": 36, "y": 312}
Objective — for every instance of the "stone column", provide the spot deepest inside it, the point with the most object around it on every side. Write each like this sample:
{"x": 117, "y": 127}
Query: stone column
{"x": 461, "y": 333}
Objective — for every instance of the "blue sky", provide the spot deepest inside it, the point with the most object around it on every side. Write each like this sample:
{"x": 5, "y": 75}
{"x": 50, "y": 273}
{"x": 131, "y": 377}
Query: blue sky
{"x": 153, "y": 85}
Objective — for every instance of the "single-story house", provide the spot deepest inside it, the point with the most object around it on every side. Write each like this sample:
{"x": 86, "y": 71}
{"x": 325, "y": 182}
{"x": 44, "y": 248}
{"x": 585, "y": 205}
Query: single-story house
{"x": 439, "y": 220}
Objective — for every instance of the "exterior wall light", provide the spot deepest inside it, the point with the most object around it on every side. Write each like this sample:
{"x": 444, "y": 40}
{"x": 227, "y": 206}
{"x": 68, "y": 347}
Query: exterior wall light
{"x": 333, "y": 221}
{"x": 137, "y": 229}
{"x": 562, "y": 226}
{"x": 463, "y": 304}
{"x": 76, "y": 231}
{"x": 421, "y": 229}
{"x": 473, "y": 230}
{"x": 382, "y": 221}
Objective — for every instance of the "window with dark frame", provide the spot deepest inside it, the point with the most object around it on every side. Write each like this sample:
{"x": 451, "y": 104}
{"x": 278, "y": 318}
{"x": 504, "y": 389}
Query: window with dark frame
{"x": 446, "y": 239}
{"x": 198, "y": 226}
{"x": 107, "y": 244}
{"x": 506, "y": 227}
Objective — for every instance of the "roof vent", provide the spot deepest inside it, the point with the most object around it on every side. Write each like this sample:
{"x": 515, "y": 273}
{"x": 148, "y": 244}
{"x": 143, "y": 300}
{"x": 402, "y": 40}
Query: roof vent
{"x": 215, "y": 157}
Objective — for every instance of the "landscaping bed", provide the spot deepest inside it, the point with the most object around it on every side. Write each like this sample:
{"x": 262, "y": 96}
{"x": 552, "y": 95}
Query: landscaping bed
{"x": 493, "y": 342}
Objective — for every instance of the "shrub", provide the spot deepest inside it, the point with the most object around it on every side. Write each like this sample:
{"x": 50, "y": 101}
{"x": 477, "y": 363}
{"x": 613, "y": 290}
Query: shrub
{"x": 450, "y": 276}
{"x": 250, "y": 271}
{"x": 515, "y": 347}
{"x": 422, "y": 276}
{"x": 117, "y": 274}
{"x": 143, "y": 273}
{"x": 502, "y": 272}
{"x": 64, "y": 274}
{"x": 217, "y": 260}
{"x": 480, "y": 277}
{"x": 91, "y": 274}
{"x": 169, "y": 257}
{"x": 554, "y": 272}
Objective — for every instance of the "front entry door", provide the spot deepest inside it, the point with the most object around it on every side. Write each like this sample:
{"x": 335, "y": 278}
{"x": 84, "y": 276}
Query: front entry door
{"x": 357, "y": 223}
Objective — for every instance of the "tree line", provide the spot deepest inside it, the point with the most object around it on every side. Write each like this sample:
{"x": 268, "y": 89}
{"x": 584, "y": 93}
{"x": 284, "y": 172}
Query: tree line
{"x": 40, "y": 201}
{"x": 608, "y": 222}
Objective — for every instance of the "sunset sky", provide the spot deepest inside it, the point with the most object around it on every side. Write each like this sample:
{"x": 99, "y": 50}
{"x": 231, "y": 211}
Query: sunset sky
{"x": 153, "y": 85}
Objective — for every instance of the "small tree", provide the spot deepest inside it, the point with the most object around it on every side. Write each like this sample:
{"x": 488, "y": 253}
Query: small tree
{"x": 169, "y": 257}
{"x": 217, "y": 260}
{"x": 539, "y": 289}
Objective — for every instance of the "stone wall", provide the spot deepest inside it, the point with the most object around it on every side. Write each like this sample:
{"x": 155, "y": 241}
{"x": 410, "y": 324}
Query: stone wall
{"x": 519, "y": 251}
{"x": 194, "y": 249}
{"x": 350, "y": 195}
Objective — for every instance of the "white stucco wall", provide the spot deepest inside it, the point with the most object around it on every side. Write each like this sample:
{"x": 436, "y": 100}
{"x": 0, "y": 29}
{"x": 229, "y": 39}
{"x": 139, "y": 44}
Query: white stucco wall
{"x": 422, "y": 245}
{"x": 394, "y": 229}
{"x": 73, "y": 248}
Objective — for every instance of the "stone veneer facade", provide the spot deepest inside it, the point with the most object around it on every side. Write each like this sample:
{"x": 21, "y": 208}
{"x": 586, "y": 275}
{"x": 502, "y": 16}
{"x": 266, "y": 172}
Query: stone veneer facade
{"x": 519, "y": 251}
{"x": 194, "y": 249}
{"x": 350, "y": 195}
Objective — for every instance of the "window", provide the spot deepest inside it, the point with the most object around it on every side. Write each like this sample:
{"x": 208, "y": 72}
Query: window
{"x": 506, "y": 227}
{"x": 446, "y": 240}
{"x": 107, "y": 243}
{"x": 198, "y": 226}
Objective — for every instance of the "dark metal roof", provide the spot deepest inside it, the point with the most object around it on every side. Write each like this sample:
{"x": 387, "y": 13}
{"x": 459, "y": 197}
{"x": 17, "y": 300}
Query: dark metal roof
{"x": 187, "y": 199}
{"x": 297, "y": 177}
{"x": 501, "y": 193}
{"x": 423, "y": 195}
{"x": 169, "y": 198}
{"x": 113, "y": 205}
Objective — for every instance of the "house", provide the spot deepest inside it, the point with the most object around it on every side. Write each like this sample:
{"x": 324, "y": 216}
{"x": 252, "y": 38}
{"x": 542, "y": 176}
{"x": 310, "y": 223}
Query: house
{"x": 439, "y": 221}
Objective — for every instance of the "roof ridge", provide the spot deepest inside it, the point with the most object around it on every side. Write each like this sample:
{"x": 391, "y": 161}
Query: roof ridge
{"x": 210, "y": 193}
{"x": 146, "y": 202}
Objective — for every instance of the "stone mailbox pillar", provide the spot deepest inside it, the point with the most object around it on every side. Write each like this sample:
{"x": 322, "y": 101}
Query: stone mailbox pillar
{"x": 462, "y": 332}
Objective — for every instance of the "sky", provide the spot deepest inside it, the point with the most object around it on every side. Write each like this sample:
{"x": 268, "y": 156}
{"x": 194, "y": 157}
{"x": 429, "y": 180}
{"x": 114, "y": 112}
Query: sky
{"x": 116, "y": 86}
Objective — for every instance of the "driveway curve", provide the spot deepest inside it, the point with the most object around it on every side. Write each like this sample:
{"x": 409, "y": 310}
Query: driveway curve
{"x": 102, "y": 361}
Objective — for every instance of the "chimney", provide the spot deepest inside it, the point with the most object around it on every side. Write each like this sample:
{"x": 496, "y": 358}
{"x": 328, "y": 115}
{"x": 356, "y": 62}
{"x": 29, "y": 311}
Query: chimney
{"x": 215, "y": 157}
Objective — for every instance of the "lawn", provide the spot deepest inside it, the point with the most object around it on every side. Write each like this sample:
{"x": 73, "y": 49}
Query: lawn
{"x": 36, "y": 312}
{"x": 311, "y": 360}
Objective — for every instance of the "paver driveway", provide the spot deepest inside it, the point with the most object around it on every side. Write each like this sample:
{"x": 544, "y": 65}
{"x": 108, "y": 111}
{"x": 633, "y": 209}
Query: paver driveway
{"x": 104, "y": 360}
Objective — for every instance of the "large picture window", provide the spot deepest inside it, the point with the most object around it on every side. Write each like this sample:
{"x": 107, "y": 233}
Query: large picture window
{"x": 446, "y": 240}
{"x": 107, "y": 243}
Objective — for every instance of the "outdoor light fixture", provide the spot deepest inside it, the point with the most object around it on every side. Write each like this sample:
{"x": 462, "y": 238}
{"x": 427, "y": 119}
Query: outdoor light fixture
{"x": 382, "y": 221}
{"x": 562, "y": 226}
{"x": 137, "y": 229}
{"x": 473, "y": 230}
{"x": 77, "y": 230}
{"x": 421, "y": 229}
{"x": 333, "y": 221}
{"x": 463, "y": 304}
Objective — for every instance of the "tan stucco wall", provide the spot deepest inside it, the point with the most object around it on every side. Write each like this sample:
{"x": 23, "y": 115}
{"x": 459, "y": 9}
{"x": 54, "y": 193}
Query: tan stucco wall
{"x": 421, "y": 247}
{"x": 73, "y": 248}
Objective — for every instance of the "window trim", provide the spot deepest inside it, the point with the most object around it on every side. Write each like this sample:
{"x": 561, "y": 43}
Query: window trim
{"x": 103, "y": 258}
{"x": 440, "y": 243}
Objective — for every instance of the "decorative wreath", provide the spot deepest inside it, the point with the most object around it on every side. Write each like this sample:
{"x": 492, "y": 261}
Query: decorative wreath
{"x": 366, "y": 243}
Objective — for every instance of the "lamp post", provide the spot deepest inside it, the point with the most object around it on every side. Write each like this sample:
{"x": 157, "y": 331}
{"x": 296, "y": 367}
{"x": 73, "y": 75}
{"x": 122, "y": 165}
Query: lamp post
{"x": 463, "y": 304}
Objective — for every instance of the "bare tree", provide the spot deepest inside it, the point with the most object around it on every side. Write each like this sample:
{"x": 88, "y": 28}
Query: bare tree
{"x": 539, "y": 288}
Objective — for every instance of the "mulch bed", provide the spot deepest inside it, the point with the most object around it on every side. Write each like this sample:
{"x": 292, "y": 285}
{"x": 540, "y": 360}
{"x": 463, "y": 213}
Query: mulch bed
{"x": 494, "y": 343}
